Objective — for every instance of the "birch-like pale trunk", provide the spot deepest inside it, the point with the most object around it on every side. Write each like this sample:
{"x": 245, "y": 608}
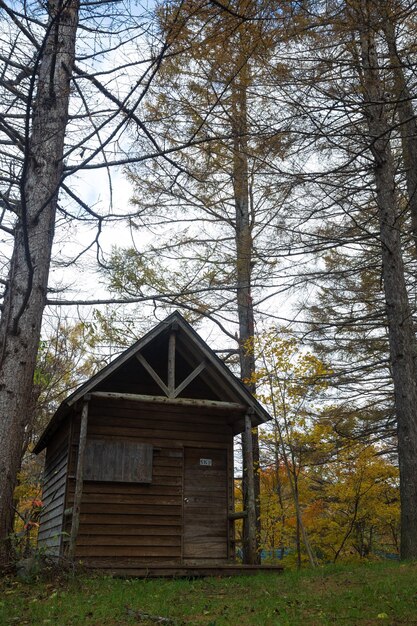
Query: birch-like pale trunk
{"x": 402, "y": 340}
{"x": 25, "y": 297}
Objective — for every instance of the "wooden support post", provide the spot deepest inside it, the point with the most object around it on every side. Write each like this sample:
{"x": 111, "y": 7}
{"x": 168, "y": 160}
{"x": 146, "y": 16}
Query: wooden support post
{"x": 75, "y": 523}
{"x": 252, "y": 551}
{"x": 171, "y": 364}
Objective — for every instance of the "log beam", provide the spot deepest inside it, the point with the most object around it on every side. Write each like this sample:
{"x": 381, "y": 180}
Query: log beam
{"x": 237, "y": 515}
{"x": 133, "y": 397}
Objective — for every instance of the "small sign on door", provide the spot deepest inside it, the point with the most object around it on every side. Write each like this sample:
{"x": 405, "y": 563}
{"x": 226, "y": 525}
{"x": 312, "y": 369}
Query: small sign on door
{"x": 207, "y": 462}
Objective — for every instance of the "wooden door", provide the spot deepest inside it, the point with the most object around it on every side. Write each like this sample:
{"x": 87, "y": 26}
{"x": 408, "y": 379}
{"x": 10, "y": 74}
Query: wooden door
{"x": 205, "y": 522}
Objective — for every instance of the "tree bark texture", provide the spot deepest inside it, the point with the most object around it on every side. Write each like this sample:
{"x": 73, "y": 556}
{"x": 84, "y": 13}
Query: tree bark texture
{"x": 244, "y": 253}
{"x": 402, "y": 340}
{"x": 408, "y": 125}
{"x": 250, "y": 506}
{"x": 25, "y": 297}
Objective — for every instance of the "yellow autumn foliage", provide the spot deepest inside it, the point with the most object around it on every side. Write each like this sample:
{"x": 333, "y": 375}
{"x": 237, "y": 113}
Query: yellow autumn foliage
{"x": 346, "y": 491}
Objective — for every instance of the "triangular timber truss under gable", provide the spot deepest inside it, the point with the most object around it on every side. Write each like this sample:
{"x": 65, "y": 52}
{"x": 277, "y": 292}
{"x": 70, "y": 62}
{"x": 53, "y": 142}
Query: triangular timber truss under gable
{"x": 171, "y": 390}
{"x": 170, "y": 364}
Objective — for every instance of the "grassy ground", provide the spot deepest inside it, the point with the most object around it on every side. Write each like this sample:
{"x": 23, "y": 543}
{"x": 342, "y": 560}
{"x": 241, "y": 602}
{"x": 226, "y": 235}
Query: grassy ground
{"x": 378, "y": 593}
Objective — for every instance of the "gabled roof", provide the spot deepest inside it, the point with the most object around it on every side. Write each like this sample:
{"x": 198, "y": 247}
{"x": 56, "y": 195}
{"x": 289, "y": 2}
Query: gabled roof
{"x": 227, "y": 384}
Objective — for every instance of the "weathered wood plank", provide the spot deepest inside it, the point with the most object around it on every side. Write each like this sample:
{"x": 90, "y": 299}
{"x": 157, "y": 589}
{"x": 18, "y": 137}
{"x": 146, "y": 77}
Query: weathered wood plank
{"x": 122, "y": 540}
{"x": 131, "y": 551}
{"x": 151, "y": 434}
{"x": 205, "y": 500}
{"x": 171, "y": 452}
{"x": 208, "y": 529}
{"x": 211, "y": 548}
{"x": 232, "y": 406}
{"x": 101, "y": 562}
{"x": 206, "y": 483}
{"x": 168, "y": 458}
{"x": 146, "y": 411}
{"x": 52, "y": 540}
{"x": 132, "y": 489}
{"x": 53, "y": 502}
{"x": 52, "y": 518}
{"x": 54, "y": 483}
{"x": 162, "y": 422}
{"x": 54, "y": 466}
{"x": 217, "y": 456}
{"x": 201, "y": 515}
{"x": 128, "y": 520}
{"x": 132, "y": 529}
{"x": 51, "y": 537}
{"x": 55, "y": 522}
{"x": 53, "y": 494}
{"x": 117, "y": 460}
{"x": 167, "y": 475}
{"x": 130, "y": 499}
{"x": 50, "y": 523}
{"x": 131, "y": 509}
{"x": 178, "y": 443}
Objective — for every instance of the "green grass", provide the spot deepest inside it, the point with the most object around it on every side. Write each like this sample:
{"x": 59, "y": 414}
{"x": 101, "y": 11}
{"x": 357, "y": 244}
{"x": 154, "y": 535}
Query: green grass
{"x": 377, "y": 593}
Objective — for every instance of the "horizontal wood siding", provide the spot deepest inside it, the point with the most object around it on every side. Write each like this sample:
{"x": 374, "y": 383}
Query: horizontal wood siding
{"x": 53, "y": 493}
{"x": 130, "y": 524}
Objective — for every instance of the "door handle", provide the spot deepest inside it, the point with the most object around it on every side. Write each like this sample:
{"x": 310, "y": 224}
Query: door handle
{"x": 186, "y": 500}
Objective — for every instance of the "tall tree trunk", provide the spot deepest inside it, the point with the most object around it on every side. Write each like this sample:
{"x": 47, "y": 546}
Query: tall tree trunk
{"x": 277, "y": 462}
{"x": 298, "y": 542}
{"x": 402, "y": 341}
{"x": 244, "y": 252}
{"x": 406, "y": 117}
{"x": 28, "y": 276}
{"x": 292, "y": 475}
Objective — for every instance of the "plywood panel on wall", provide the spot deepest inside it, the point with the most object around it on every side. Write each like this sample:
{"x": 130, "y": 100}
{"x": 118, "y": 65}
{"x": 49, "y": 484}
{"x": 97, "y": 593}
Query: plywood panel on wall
{"x": 118, "y": 461}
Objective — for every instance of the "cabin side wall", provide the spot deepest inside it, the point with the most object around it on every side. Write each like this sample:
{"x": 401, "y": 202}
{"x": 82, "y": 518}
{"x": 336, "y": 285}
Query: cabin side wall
{"x": 123, "y": 525}
{"x": 54, "y": 491}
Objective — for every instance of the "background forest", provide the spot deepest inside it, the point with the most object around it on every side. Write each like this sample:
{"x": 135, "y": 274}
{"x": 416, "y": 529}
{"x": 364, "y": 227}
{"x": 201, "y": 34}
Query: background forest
{"x": 269, "y": 150}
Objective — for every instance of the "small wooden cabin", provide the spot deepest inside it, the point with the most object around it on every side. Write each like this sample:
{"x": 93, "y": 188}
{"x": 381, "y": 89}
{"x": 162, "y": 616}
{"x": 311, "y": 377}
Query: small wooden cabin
{"x": 139, "y": 460}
